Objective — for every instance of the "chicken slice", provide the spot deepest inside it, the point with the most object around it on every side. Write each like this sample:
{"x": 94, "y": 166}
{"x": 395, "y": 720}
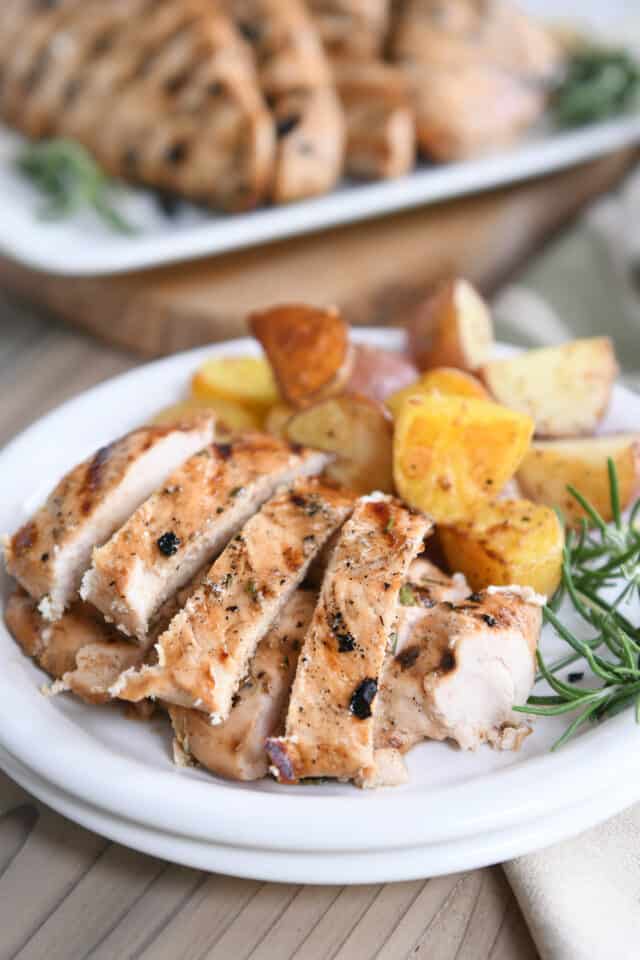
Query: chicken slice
{"x": 49, "y": 553}
{"x": 329, "y": 729}
{"x": 352, "y": 29}
{"x": 464, "y": 668}
{"x": 426, "y": 585}
{"x": 186, "y": 523}
{"x": 235, "y": 748}
{"x": 205, "y": 652}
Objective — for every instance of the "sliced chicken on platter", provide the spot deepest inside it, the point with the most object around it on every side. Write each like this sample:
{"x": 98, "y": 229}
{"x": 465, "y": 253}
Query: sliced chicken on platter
{"x": 460, "y": 673}
{"x": 236, "y": 748}
{"x": 49, "y": 553}
{"x": 205, "y": 652}
{"x": 330, "y": 725}
{"x": 186, "y": 522}
{"x": 426, "y": 585}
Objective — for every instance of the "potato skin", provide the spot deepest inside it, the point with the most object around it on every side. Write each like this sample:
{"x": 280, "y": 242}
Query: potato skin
{"x": 549, "y": 466}
{"x": 377, "y": 373}
{"x": 507, "y": 542}
{"x": 566, "y": 389}
{"x": 452, "y": 329}
{"x": 447, "y": 380}
{"x": 358, "y": 431}
{"x": 450, "y": 453}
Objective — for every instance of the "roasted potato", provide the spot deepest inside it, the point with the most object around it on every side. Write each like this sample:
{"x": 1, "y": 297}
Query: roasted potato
{"x": 308, "y": 349}
{"x": 277, "y": 418}
{"x": 550, "y": 465}
{"x": 358, "y": 431}
{"x": 445, "y": 380}
{"x": 452, "y": 329}
{"x": 507, "y": 542}
{"x": 566, "y": 389}
{"x": 231, "y": 418}
{"x": 247, "y": 381}
{"x": 450, "y": 453}
{"x": 378, "y": 373}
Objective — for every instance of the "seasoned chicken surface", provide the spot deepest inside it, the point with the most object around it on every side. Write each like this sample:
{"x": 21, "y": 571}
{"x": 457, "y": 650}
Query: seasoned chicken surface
{"x": 464, "y": 667}
{"x": 426, "y": 586}
{"x": 165, "y": 94}
{"x": 329, "y": 729}
{"x": 186, "y": 522}
{"x": 205, "y": 652}
{"x": 352, "y": 29}
{"x": 236, "y": 748}
{"x": 49, "y": 553}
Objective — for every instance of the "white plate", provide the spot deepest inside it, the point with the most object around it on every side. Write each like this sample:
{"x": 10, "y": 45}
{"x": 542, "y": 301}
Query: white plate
{"x": 458, "y": 808}
{"x": 82, "y": 245}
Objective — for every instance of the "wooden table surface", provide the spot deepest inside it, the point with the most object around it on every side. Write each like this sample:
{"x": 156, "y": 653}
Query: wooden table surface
{"x": 67, "y": 894}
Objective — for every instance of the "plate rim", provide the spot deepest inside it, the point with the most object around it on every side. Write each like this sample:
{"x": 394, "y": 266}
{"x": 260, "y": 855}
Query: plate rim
{"x": 222, "y": 812}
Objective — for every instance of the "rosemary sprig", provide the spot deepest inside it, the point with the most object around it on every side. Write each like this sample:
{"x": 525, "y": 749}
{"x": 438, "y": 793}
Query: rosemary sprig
{"x": 69, "y": 178}
{"x": 598, "y": 83}
{"x": 591, "y": 564}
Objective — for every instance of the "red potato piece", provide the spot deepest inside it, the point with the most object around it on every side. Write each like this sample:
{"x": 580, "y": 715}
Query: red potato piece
{"x": 452, "y": 328}
{"x": 378, "y": 373}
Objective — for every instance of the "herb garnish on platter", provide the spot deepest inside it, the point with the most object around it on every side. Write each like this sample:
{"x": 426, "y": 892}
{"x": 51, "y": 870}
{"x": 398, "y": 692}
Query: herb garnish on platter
{"x": 70, "y": 179}
{"x": 599, "y": 83}
{"x": 596, "y": 559}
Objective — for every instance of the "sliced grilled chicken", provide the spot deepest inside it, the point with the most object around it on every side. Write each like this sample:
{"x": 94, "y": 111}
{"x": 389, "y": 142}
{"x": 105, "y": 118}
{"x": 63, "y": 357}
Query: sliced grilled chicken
{"x": 329, "y": 729}
{"x": 352, "y": 29}
{"x": 49, "y": 553}
{"x": 464, "y": 668}
{"x": 205, "y": 652}
{"x": 186, "y": 522}
{"x": 478, "y": 72}
{"x": 235, "y": 748}
{"x": 426, "y": 586}
{"x": 162, "y": 94}
{"x": 380, "y": 125}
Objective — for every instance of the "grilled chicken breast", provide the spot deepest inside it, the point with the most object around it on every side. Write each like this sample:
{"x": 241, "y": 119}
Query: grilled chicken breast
{"x": 161, "y": 93}
{"x": 236, "y": 748}
{"x": 205, "y": 652}
{"x": 329, "y": 729}
{"x": 426, "y": 586}
{"x": 49, "y": 553}
{"x": 352, "y": 29}
{"x": 186, "y": 522}
{"x": 459, "y": 675}
{"x": 380, "y": 125}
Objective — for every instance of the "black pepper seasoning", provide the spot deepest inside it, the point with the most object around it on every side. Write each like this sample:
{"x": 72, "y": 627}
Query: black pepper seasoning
{"x": 168, "y": 543}
{"x": 362, "y": 698}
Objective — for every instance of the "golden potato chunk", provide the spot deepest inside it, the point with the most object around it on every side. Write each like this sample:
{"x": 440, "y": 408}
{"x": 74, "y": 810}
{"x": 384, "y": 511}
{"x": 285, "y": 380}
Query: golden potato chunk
{"x": 358, "y": 431}
{"x": 507, "y": 542}
{"x": 452, "y": 329}
{"x": 450, "y": 452}
{"x": 231, "y": 418}
{"x": 308, "y": 349}
{"x": 447, "y": 380}
{"x": 549, "y": 466}
{"x": 566, "y": 389}
{"x": 277, "y": 418}
{"x": 247, "y": 381}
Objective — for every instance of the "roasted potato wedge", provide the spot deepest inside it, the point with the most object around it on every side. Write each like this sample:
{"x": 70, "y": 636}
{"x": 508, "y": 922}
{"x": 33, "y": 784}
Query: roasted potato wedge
{"x": 446, "y": 380}
{"x": 452, "y": 329}
{"x": 550, "y": 465}
{"x": 566, "y": 389}
{"x": 231, "y": 418}
{"x": 358, "y": 431}
{"x": 308, "y": 349}
{"x": 247, "y": 381}
{"x": 450, "y": 453}
{"x": 378, "y": 373}
{"x": 276, "y": 420}
{"x": 507, "y": 542}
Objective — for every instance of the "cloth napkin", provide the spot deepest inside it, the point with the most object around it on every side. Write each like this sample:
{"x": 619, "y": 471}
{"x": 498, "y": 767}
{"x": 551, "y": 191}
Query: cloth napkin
{"x": 581, "y": 898}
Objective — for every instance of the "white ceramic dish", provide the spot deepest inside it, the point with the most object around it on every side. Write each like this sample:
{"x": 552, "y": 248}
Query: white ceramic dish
{"x": 82, "y": 245}
{"x": 458, "y": 810}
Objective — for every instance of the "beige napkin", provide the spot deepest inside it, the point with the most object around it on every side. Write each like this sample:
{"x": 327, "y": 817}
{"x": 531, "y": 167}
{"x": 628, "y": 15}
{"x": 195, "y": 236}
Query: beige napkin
{"x": 581, "y": 898}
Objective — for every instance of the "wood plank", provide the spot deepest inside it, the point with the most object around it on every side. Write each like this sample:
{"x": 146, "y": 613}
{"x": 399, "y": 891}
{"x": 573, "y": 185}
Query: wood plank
{"x": 375, "y": 271}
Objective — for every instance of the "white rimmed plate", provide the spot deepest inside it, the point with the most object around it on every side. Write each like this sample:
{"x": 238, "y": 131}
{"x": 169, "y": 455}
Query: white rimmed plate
{"x": 459, "y": 810}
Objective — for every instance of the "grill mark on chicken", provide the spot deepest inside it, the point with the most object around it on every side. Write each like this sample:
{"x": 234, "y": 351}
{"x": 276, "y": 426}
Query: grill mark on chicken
{"x": 206, "y": 650}
{"x": 49, "y": 554}
{"x": 235, "y": 748}
{"x": 329, "y": 729}
{"x": 458, "y": 678}
{"x": 187, "y": 522}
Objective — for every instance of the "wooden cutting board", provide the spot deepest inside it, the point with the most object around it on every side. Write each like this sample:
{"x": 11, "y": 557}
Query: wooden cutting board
{"x": 375, "y": 271}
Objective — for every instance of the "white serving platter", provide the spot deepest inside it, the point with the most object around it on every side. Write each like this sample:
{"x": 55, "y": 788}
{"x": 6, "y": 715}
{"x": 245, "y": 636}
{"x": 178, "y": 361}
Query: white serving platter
{"x": 458, "y": 811}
